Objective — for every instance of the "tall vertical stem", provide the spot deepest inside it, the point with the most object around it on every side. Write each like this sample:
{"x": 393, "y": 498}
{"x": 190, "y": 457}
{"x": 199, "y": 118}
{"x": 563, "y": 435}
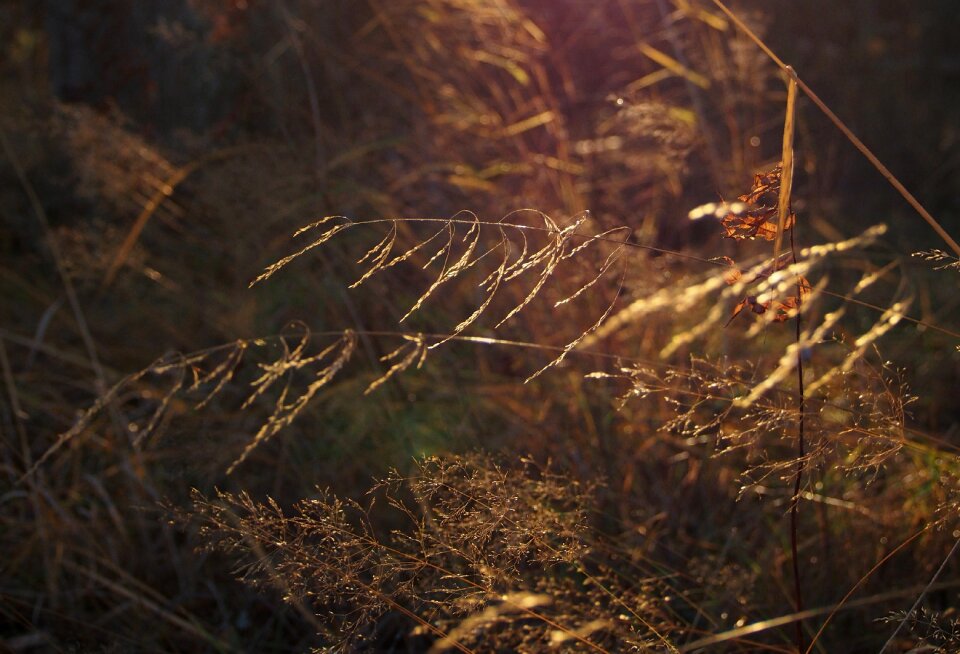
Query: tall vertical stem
{"x": 801, "y": 462}
{"x": 784, "y": 217}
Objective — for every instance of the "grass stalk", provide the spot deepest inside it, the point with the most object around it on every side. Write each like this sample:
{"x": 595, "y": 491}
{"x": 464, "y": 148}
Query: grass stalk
{"x": 783, "y": 215}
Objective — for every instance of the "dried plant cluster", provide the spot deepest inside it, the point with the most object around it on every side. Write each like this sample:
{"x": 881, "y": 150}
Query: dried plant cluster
{"x": 933, "y": 631}
{"x": 483, "y": 559}
{"x": 726, "y": 429}
{"x": 857, "y": 423}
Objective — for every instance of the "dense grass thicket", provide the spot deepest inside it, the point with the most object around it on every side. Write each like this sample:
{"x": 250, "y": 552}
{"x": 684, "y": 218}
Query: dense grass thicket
{"x": 479, "y": 326}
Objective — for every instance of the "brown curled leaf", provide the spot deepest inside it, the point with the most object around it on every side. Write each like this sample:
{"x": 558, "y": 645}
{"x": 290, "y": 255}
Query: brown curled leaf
{"x": 760, "y": 219}
{"x": 783, "y": 309}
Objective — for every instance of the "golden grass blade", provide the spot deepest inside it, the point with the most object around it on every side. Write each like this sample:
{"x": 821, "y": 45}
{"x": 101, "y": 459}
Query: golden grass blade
{"x": 150, "y": 207}
{"x": 786, "y": 173}
{"x": 608, "y": 262}
{"x": 663, "y": 299}
{"x": 103, "y": 401}
{"x": 291, "y": 360}
{"x": 713, "y": 319}
{"x": 416, "y": 347}
{"x": 161, "y": 410}
{"x": 550, "y": 256}
{"x": 472, "y": 238}
{"x": 788, "y": 361}
{"x": 510, "y": 603}
{"x": 492, "y": 287}
{"x": 270, "y": 270}
{"x": 223, "y": 373}
{"x": 674, "y": 66}
{"x": 887, "y": 321}
{"x": 527, "y": 124}
{"x": 285, "y": 413}
{"x": 698, "y": 13}
{"x": 379, "y": 252}
{"x": 572, "y": 345}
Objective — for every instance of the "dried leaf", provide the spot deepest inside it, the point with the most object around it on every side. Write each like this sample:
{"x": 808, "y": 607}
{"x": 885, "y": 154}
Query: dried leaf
{"x": 761, "y": 304}
{"x": 760, "y": 218}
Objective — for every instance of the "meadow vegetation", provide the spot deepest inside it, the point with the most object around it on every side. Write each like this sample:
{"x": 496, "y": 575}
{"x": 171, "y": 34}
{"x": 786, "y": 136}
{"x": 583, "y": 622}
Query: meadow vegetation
{"x": 482, "y": 326}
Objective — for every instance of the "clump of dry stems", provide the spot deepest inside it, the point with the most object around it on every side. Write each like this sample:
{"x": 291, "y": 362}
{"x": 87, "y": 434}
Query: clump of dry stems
{"x": 480, "y": 558}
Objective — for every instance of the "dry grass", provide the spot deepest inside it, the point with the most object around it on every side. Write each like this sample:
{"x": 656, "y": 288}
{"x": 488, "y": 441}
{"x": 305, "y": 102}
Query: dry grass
{"x": 216, "y": 438}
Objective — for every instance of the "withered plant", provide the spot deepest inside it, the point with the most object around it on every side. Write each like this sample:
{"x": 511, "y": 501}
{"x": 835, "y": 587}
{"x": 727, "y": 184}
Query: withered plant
{"x": 480, "y": 558}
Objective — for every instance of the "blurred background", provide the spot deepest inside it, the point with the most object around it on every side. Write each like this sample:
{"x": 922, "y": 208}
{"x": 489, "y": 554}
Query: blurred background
{"x": 158, "y": 154}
